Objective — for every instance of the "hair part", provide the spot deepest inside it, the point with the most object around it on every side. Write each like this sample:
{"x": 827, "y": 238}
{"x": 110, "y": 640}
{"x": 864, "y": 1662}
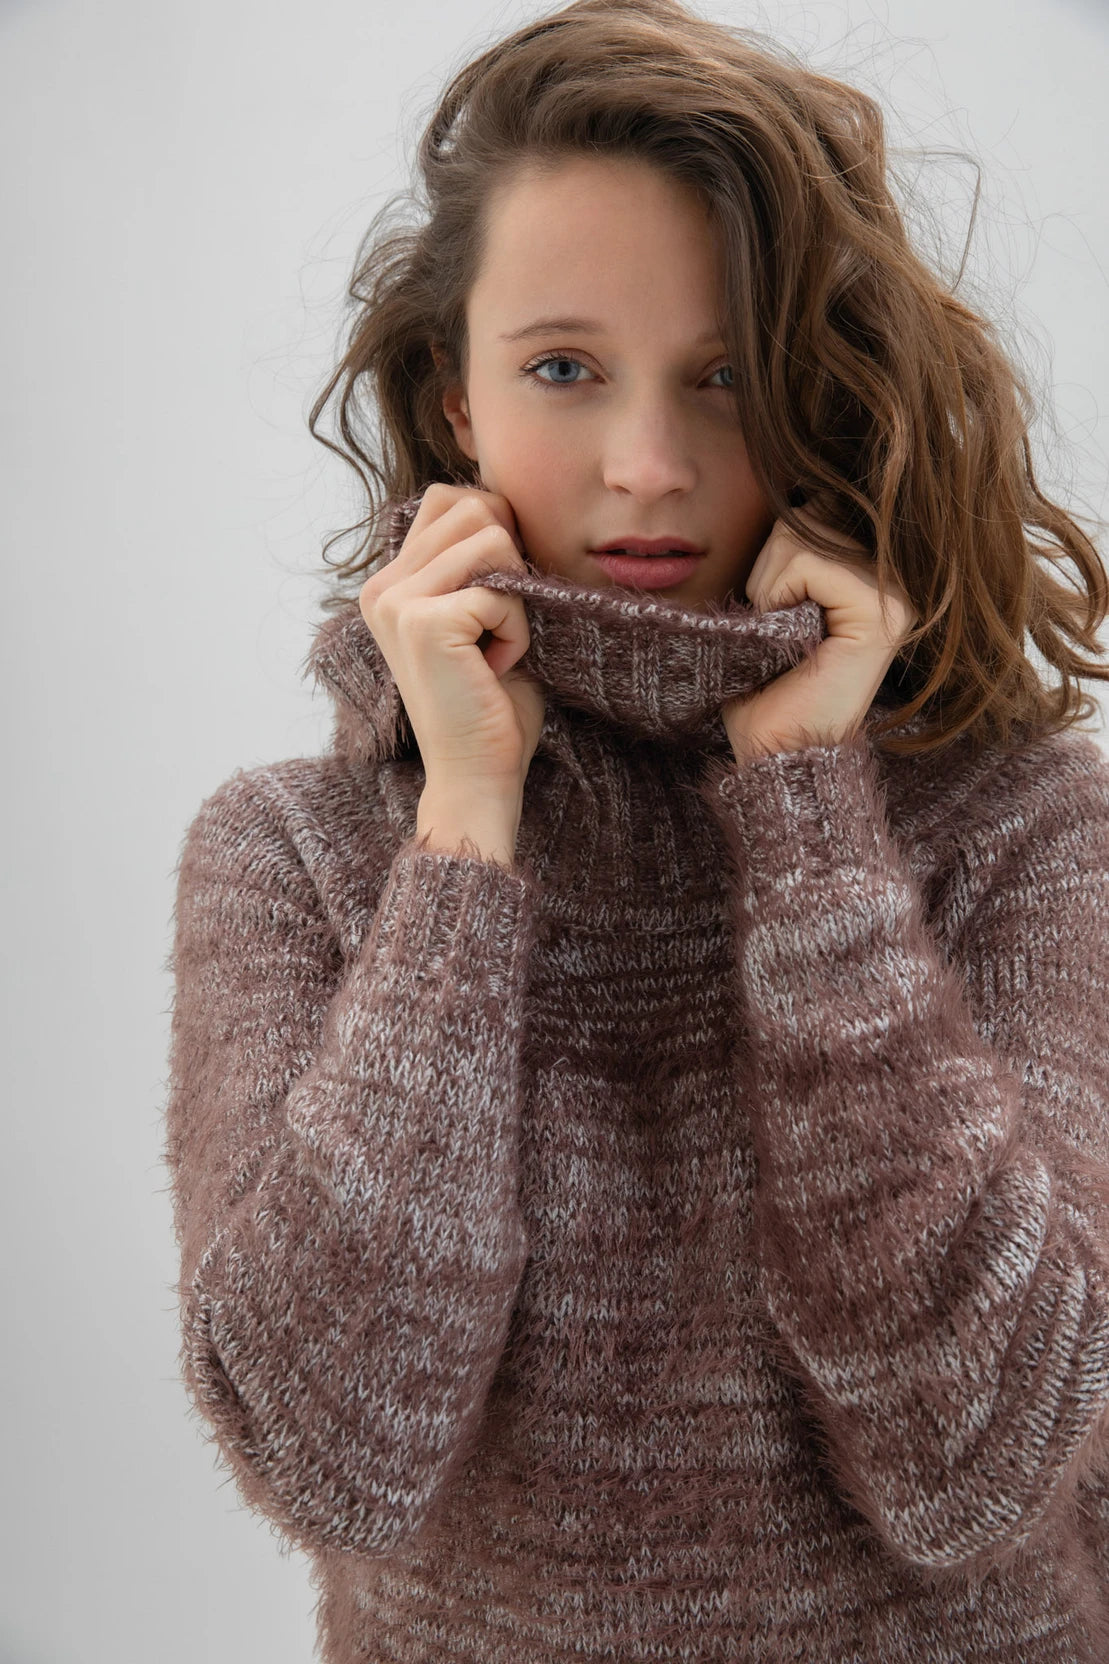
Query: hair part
{"x": 865, "y": 389}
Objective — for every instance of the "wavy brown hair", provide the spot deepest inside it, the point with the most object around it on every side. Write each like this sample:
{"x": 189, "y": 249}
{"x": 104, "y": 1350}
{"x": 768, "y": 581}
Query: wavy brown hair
{"x": 865, "y": 388}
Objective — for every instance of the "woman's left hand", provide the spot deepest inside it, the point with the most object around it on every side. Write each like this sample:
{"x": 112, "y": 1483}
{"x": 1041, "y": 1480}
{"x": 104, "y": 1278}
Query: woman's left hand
{"x": 823, "y": 700}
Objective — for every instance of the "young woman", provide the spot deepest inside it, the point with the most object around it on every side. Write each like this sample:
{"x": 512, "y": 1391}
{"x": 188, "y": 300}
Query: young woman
{"x": 639, "y": 1114}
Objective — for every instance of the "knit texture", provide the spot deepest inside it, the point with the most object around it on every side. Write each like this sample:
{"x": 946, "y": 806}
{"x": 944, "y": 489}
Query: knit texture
{"x": 690, "y": 1242}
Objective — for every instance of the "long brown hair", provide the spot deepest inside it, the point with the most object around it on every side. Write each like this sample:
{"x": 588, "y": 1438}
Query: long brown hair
{"x": 865, "y": 388}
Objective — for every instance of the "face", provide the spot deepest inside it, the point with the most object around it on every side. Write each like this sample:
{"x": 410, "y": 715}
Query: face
{"x": 629, "y": 428}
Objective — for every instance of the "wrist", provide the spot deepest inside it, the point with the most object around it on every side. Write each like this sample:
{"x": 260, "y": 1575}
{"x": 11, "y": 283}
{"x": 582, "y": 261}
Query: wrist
{"x": 470, "y": 818}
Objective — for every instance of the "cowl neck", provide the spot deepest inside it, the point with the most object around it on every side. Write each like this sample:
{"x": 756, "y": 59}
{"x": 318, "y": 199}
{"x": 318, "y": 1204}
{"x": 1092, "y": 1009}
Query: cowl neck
{"x": 615, "y": 660}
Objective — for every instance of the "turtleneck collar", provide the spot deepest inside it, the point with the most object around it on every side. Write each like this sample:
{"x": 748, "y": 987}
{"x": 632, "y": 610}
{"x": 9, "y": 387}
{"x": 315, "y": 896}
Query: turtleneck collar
{"x": 624, "y": 659}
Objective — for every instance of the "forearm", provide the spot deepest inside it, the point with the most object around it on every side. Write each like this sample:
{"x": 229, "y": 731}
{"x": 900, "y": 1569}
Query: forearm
{"x": 314, "y": 1121}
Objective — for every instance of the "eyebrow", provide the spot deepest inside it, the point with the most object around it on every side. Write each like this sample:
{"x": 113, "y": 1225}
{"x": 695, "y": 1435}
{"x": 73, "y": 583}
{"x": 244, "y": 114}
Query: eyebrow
{"x": 583, "y": 326}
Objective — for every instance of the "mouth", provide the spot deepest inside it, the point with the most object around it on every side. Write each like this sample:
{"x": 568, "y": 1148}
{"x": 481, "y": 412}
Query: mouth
{"x": 670, "y": 566}
{"x": 649, "y": 547}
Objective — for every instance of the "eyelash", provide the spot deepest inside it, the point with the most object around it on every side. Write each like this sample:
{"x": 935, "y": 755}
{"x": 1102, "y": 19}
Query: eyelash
{"x": 528, "y": 371}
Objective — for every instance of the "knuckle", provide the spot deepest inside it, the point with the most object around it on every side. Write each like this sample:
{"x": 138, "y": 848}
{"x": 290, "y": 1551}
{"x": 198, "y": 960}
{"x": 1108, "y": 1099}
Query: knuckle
{"x": 413, "y": 613}
{"x": 387, "y": 607}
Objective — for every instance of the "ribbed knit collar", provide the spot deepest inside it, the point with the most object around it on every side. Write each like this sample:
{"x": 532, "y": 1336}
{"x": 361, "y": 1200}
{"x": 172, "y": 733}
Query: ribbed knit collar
{"x": 626, "y": 661}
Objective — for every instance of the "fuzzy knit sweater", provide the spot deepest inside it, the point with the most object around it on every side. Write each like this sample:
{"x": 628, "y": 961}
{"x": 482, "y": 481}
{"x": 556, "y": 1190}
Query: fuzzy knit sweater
{"x": 690, "y": 1241}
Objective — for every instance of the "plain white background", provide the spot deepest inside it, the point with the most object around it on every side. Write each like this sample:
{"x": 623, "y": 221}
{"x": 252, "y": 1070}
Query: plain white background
{"x": 184, "y": 189}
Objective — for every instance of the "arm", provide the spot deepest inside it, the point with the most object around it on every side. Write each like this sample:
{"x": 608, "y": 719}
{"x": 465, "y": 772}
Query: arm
{"x": 933, "y": 1149}
{"x": 465, "y": 820}
{"x": 342, "y": 1144}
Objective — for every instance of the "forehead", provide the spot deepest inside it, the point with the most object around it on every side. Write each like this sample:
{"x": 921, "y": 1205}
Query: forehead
{"x": 586, "y": 235}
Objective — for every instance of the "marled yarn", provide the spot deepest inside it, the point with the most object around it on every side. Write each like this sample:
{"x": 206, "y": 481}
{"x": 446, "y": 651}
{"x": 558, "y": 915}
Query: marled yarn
{"x": 690, "y": 1243}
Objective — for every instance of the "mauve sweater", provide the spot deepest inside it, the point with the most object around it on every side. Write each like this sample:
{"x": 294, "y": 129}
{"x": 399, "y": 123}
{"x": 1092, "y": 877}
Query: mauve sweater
{"x": 690, "y": 1242}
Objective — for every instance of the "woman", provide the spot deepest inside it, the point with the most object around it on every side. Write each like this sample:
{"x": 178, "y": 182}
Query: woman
{"x": 638, "y": 1115}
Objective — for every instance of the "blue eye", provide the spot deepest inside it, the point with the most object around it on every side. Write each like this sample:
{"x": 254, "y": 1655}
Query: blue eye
{"x": 565, "y": 360}
{"x": 561, "y": 359}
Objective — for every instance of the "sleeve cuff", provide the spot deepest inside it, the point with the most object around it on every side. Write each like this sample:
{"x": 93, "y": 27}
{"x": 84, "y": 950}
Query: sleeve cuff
{"x": 457, "y": 919}
{"x": 825, "y": 800}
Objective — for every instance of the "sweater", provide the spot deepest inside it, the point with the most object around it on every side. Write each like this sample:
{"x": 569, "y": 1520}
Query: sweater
{"x": 689, "y": 1241}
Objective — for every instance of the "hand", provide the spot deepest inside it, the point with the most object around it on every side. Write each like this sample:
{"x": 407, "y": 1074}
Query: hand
{"x": 823, "y": 700}
{"x": 476, "y": 719}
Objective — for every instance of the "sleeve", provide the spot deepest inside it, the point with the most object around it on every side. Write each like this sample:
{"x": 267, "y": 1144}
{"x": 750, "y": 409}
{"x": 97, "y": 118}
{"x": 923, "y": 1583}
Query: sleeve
{"x": 343, "y": 1151}
{"x": 932, "y": 1205}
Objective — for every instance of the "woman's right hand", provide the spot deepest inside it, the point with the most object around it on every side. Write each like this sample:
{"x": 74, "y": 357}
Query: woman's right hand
{"x": 476, "y": 719}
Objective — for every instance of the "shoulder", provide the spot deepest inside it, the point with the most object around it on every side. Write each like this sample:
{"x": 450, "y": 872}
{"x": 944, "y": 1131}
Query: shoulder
{"x": 1002, "y": 815}
{"x": 316, "y": 829}
{"x": 300, "y": 799}
{"x": 1032, "y": 791}
{"x": 959, "y": 788}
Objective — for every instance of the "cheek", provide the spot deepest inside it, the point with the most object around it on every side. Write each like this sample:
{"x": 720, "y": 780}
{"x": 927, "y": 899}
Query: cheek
{"x": 749, "y": 502}
{"x": 542, "y": 500}
{"x": 517, "y": 439}
{"x": 538, "y": 460}
{"x": 545, "y": 501}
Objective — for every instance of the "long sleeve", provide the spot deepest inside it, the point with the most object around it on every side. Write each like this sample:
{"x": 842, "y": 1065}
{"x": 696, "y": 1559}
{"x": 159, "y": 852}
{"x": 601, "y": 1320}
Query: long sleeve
{"x": 342, "y": 1141}
{"x": 932, "y": 1206}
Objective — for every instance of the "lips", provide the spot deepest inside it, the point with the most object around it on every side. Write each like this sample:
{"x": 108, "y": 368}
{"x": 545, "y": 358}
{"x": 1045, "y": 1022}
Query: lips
{"x": 661, "y": 571}
{"x": 648, "y": 546}
{"x": 639, "y": 554}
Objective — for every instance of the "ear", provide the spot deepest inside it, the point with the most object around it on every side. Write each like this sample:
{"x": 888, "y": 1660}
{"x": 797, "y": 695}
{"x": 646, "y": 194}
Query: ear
{"x": 456, "y": 410}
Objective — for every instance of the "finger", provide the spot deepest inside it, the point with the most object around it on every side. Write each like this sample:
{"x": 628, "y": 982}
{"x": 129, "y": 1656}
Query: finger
{"x": 451, "y": 524}
{"x": 776, "y": 556}
{"x": 442, "y": 500}
{"x": 489, "y": 549}
{"x": 792, "y": 585}
{"x": 452, "y": 515}
{"x": 466, "y": 614}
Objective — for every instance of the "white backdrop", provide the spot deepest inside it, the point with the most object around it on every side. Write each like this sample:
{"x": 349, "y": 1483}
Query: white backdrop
{"x": 184, "y": 189}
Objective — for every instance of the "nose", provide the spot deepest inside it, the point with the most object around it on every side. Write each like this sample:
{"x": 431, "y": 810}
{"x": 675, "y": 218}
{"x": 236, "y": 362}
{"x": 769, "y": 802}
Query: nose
{"x": 647, "y": 450}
